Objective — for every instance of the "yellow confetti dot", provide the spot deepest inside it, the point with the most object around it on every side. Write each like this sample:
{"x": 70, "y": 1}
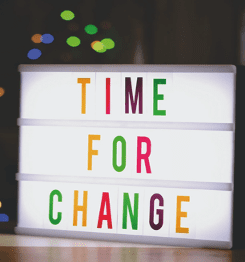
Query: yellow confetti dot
{"x": 92, "y": 44}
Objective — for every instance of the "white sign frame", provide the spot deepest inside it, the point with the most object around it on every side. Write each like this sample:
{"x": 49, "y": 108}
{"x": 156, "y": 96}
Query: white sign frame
{"x": 212, "y": 120}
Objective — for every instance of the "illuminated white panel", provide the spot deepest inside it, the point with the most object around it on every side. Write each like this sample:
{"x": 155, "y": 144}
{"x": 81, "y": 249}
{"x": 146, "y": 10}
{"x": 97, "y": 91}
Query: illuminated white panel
{"x": 207, "y": 214}
{"x": 196, "y": 97}
{"x": 30, "y": 204}
{"x": 185, "y": 155}
{"x": 203, "y": 97}
{"x": 172, "y": 157}
{"x": 108, "y": 96}
{"x": 214, "y": 211}
{"x": 188, "y": 96}
{"x": 56, "y": 96}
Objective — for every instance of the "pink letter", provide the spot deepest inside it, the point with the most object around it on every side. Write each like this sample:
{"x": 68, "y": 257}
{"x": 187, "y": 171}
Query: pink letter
{"x": 145, "y": 156}
{"x": 108, "y": 96}
{"x": 105, "y": 201}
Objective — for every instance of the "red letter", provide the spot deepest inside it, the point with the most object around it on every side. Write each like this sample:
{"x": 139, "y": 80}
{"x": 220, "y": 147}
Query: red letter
{"x": 108, "y": 91}
{"x": 145, "y": 156}
{"x": 105, "y": 200}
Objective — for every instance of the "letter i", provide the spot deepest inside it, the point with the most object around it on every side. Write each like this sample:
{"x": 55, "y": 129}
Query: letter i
{"x": 108, "y": 94}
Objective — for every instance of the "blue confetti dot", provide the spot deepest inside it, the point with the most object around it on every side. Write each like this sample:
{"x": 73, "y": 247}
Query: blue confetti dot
{"x": 34, "y": 54}
{"x": 47, "y": 38}
{"x": 4, "y": 218}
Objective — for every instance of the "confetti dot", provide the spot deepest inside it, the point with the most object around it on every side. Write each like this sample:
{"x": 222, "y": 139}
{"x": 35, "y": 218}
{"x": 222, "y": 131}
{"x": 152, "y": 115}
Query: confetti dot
{"x": 73, "y": 41}
{"x": 67, "y": 15}
{"x": 34, "y": 54}
{"x": 4, "y": 218}
{"x": 91, "y": 29}
{"x": 108, "y": 43}
{"x": 47, "y": 38}
{"x": 92, "y": 44}
{"x": 1, "y": 94}
{"x": 99, "y": 47}
{"x": 36, "y": 38}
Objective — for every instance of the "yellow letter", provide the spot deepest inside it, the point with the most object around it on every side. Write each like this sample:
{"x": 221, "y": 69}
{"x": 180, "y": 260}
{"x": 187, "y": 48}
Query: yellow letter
{"x": 180, "y": 214}
{"x": 82, "y": 208}
{"x": 83, "y": 81}
{"x": 90, "y": 150}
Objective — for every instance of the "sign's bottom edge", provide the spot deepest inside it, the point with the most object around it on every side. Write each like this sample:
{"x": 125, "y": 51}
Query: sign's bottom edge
{"x": 139, "y": 239}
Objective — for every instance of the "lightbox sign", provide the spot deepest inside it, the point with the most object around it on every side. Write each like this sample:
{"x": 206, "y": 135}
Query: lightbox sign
{"x": 135, "y": 153}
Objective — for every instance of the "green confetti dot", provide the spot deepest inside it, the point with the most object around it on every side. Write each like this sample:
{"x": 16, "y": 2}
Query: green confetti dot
{"x": 99, "y": 47}
{"x": 108, "y": 43}
{"x": 67, "y": 15}
{"x": 73, "y": 41}
{"x": 91, "y": 29}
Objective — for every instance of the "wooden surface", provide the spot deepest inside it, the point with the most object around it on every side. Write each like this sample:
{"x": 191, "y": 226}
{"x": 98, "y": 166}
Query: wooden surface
{"x": 28, "y": 248}
{"x": 113, "y": 254}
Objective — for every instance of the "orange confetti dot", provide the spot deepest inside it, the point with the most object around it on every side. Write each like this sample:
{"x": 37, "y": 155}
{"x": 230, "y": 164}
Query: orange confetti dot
{"x": 92, "y": 44}
{"x": 1, "y": 91}
{"x": 36, "y": 38}
{"x": 0, "y": 204}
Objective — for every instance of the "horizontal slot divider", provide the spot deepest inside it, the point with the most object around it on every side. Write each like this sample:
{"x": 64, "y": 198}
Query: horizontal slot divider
{"x": 127, "y": 182}
{"x": 127, "y": 124}
{"x": 128, "y": 68}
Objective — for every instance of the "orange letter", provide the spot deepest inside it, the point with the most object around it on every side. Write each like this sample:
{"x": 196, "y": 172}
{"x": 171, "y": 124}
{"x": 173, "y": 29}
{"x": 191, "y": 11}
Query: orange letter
{"x": 180, "y": 214}
{"x": 83, "y": 81}
{"x": 80, "y": 208}
{"x": 90, "y": 150}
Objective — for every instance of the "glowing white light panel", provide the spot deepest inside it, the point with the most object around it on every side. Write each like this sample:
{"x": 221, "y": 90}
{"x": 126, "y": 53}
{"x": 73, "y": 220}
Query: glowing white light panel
{"x": 130, "y": 153}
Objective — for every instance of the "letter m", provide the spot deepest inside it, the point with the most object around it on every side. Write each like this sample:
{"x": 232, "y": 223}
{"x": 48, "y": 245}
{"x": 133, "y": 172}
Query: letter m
{"x": 129, "y": 95}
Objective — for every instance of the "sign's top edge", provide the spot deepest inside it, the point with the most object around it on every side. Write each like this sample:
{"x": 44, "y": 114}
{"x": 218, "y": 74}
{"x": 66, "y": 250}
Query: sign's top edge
{"x": 150, "y": 68}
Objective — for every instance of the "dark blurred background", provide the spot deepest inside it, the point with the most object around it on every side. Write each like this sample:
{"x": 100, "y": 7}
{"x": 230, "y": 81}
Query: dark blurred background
{"x": 144, "y": 31}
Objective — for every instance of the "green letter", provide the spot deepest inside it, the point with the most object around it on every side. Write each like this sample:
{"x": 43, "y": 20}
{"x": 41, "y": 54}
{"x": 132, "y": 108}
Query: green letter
{"x": 51, "y": 199}
{"x": 133, "y": 217}
{"x": 157, "y": 97}
{"x": 114, "y": 157}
